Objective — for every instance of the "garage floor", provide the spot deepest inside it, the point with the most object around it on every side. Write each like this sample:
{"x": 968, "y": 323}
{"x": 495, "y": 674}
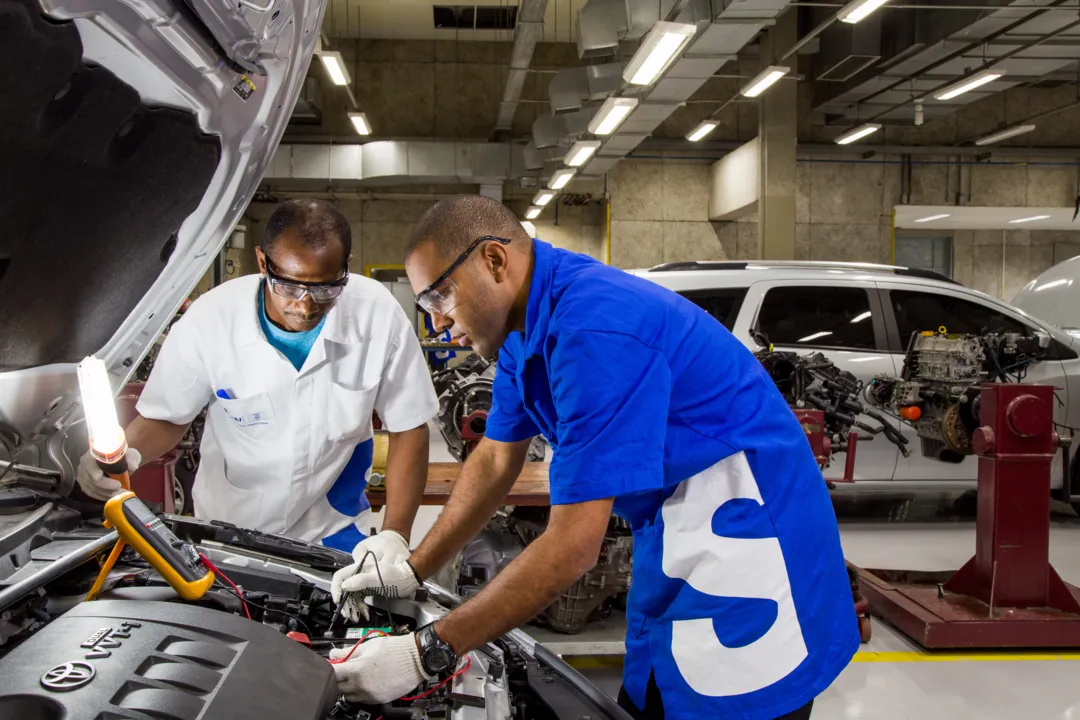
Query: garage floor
{"x": 890, "y": 679}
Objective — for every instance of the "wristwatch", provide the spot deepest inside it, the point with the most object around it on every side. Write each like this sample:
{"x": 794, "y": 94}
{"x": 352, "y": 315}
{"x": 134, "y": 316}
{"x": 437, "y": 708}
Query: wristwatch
{"x": 436, "y": 656}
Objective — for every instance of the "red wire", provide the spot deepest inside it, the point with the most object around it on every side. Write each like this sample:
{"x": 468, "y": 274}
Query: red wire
{"x": 222, "y": 575}
{"x": 468, "y": 664}
{"x": 367, "y": 635}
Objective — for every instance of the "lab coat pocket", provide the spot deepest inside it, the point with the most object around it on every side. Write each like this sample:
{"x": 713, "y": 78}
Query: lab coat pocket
{"x": 251, "y": 418}
{"x": 349, "y": 413}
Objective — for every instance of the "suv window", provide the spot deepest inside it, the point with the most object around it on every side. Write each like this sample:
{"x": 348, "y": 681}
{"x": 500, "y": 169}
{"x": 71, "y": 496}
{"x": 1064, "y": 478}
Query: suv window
{"x": 722, "y": 303}
{"x": 921, "y": 311}
{"x": 820, "y": 316}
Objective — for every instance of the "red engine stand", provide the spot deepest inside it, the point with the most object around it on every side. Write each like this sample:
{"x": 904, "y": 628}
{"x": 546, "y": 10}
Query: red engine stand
{"x": 1008, "y": 595}
{"x": 813, "y": 424}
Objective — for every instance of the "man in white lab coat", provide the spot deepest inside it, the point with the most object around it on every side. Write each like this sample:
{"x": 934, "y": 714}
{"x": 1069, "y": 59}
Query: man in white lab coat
{"x": 292, "y": 362}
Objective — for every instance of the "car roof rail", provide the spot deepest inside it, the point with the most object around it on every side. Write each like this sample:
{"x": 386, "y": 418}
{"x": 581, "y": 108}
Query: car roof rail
{"x": 801, "y": 264}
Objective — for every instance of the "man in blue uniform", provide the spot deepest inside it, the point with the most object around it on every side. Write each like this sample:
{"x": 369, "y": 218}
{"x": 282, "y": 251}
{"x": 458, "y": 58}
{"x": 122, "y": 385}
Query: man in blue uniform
{"x": 740, "y": 605}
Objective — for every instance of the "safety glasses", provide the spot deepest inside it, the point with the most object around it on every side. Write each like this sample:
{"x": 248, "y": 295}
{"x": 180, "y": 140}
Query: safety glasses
{"x": 321, "y": 292}
{"x": 440, "y": 297}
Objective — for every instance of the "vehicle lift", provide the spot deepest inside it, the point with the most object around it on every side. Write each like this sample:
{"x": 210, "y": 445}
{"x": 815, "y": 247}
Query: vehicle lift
{"x": 1008, "y": 594}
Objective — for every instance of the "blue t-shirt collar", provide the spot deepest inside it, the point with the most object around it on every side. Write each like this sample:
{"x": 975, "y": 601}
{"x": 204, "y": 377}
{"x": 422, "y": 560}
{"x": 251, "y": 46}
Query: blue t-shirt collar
{"x": 538, "y": 308}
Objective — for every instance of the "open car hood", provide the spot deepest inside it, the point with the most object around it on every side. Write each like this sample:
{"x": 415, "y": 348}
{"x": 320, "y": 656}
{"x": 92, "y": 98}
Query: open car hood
{"x": 133, "y": 136}
{"x": 1054, "y": 297}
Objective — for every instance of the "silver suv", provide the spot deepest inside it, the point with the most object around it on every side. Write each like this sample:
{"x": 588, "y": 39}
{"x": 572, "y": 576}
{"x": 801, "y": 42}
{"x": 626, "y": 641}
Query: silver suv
{"x": 861, "y": 316}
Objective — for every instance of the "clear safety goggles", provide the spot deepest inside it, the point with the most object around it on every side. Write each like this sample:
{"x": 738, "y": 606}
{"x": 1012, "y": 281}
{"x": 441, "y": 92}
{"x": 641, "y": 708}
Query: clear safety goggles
{"x": 440, "y": 297}
{"x": 322, "y": 292}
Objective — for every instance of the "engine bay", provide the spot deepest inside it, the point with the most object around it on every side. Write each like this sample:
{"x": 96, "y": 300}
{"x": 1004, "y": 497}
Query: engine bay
{"x": 259, "y": 649}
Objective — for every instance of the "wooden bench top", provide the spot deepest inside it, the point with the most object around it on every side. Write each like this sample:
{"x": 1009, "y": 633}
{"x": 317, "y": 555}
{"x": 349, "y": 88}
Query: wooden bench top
{"x": 531, "y": 487}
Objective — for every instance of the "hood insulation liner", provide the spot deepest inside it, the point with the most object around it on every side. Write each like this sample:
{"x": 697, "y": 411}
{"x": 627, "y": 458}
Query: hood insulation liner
{"x": 94, "y": 186}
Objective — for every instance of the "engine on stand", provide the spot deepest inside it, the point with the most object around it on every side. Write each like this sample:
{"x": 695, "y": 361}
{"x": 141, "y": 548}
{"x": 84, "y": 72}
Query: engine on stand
{"x": 465, "y": 398}
{"x": 938, "y": 392}
{"x": 828, "y": 403}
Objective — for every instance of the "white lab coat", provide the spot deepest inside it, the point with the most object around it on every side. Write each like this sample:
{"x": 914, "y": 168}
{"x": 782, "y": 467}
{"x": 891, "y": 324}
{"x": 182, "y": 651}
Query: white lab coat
{"x": 273, "y": 457}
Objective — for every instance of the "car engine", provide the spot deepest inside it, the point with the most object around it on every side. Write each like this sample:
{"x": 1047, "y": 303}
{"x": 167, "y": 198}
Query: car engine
{"x": 465, "y": 398}
{"x": 256, "y": 650}
{"x": 939, "y": 387}
{"x": 813, "y": 382}
{"x": 591, "y": 597}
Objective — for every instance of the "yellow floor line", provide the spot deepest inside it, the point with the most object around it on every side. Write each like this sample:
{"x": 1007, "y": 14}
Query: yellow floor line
{"x": 868, "y": 656}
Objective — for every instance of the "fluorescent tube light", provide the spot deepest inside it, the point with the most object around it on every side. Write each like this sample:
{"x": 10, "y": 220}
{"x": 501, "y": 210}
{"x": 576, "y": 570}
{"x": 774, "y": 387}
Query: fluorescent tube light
{"x": 560, "y": 178}
{"x": 659, "y": 48}
{"x": 1033, "y": 218}
{"x": 533, "y": 212}
{"x": 543, "y": 197}
{"x": 934, "y": 217}
{"x": 107, "y": 439}
{"x": 360, "y": 123}
{"x": 858, "y": 10}
{"x": 815, "y": 336}
{"x": 611, "y": 115}
{"x": 858, "y": 133}
{"x": 969, "y": 83}
{"x": 335, "y": 67}
{"x": 702, "y": 130}
{"x": 765, "y": 79}
{"x": 529, "y": 228}
{"x": 580, "y": 152}
{"x": 1004, "y": 134}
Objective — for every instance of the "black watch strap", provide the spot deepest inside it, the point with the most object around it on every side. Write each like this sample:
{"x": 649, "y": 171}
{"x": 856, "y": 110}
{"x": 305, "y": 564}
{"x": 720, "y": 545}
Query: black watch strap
{"x": 437, "y": 658}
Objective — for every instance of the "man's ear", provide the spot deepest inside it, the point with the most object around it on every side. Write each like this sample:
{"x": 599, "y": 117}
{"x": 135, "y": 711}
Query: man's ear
{"x": 260, "y": 258}
{"x": 497, "y": 260}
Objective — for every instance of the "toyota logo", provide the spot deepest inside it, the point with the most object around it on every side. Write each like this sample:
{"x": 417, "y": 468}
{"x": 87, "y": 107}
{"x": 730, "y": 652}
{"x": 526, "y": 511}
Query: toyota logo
{"x": 69, "y": 676}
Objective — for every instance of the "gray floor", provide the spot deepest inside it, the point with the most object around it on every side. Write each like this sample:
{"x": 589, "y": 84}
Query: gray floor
{"x": 890, "y": 679}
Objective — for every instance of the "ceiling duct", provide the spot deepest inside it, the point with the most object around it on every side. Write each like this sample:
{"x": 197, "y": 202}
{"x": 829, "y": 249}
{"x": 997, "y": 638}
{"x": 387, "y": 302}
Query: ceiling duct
{"x": 396, "y": 162}
{"x": 923, "y": 49}
{"x": 717, "y": 42}
{"x": 553, "y": 130}
{"x": 571, "y": 87}
{"x": 601, "y": 25}
{"x": 641, "y": 15}
{"x": 527, "y": 32}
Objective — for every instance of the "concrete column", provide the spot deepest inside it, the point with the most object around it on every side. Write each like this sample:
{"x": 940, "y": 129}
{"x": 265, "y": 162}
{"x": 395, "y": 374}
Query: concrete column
{"x": 777, "y": 127}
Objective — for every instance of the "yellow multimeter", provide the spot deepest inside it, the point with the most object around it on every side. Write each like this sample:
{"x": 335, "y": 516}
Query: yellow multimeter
{"x": 177, "y": 561}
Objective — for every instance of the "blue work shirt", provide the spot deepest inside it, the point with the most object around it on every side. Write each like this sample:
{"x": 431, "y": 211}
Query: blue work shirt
{"x": 295, "y": 346}
{"x": 740, "y": 603}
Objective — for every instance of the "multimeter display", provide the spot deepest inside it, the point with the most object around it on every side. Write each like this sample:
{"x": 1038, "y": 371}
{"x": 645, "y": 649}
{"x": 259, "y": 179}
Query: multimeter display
{"x": 176, "y": 561}
{"x": 180, "y": 556}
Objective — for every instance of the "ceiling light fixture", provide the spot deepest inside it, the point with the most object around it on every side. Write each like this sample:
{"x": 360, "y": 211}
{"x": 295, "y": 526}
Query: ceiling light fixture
{"x": 934, "y": 217}
{"x": 335, "y": 67}
{"x": 703, "y": 129}
{"x": 659, "y": 48}
{"x": 1033, "y": 218}
{"x": 560, "y": 178}
{"x": 611, "y": 115}
{"x": 580, "y": 152}
{"x": 533, "y": 212}
{"x": 858, "y": 133}
{"x": 360, "y": 123}
{"x": 1004, "y": 134}
{"x": 969, "y": 83}
{"x": 764, "y": 80}
{"x": 543, "y": 197}
{"x": 858, "y": 10}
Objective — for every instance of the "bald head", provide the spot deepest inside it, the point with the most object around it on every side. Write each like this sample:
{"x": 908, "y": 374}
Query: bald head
{"x": 451, "y": 225}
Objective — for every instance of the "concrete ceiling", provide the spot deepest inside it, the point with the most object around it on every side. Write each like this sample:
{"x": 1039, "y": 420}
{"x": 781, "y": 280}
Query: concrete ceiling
{"x": 984, "y": 218}
{"x": 413, "y": 20}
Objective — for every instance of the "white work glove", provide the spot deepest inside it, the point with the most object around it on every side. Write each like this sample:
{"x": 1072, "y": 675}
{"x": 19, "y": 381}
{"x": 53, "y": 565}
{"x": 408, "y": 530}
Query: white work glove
{"x": 93, "y": 480}
{"x": 381, "y": 567}
{"x": 381, "y": 670}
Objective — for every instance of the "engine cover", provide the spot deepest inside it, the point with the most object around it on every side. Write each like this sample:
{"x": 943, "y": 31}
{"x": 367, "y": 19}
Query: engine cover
{"x": 115, "y": 659}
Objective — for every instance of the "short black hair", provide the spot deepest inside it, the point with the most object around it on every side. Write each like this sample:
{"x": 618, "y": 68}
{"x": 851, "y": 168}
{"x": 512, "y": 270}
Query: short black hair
{"x": 317, "y": 222}
{"x": 452, "y": 224}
